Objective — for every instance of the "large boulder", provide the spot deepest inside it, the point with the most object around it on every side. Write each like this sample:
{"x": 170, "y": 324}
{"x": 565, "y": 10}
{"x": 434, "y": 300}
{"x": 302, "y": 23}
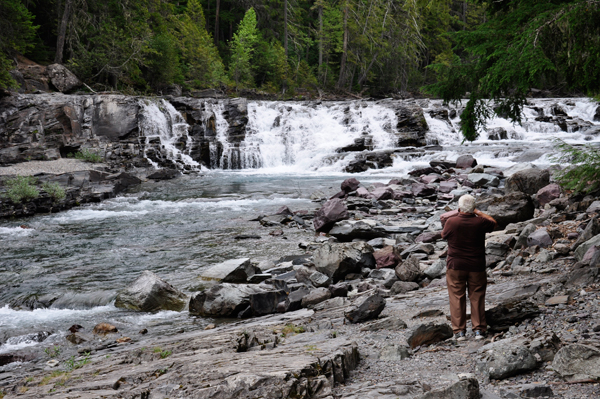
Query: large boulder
{"x": 507, "y": 359}
{"x": 409, "y": 270}
{"x": 585, "y": 246}
{"x": 388, "y": 256}
{"x": 429, "y": 333}
{"x": 315, "y": 296}
{"x": 229, "y": 300}
{"x": 348, "y": 230}
{"x": 511, "y": 208}
{"x": 465, "y": 161}
{"x": 539, "y": 237}
{"x": 591, "y": 229}
{"x": 577, "y": 362}
{"x": 483, "y": 179}
{"x": 337, "y": 260}
{"x": 230, "y": 271}
{"x": 350, "y": 185}
{"x": 61, "y": 78}
{"x": 149, "y": 293}
{"x": 528, "y": 181}
{"x": 332, "y": 211}
{"x": 367, "y": 309}
{"x": 463, "y": 389}
{"x": 548, "y": 193}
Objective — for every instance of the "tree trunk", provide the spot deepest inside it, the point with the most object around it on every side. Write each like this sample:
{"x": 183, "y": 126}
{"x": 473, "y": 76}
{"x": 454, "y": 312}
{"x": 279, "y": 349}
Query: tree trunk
{"x": 217, "y": 22}
{"x": 285, "y": 26}
{"x": 340, "y": 83}
{"x": 320, "y": 36}
{"x": 62, "y": 32}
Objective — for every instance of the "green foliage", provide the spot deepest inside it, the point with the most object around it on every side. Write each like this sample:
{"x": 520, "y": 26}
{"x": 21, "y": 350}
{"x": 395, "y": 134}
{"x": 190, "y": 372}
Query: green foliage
{"x": 21, "y": 188}
{"x": 163, "y": 353}
{"x": 163, "y": 61}
{"x": 291, "y": 329}
{"x": 53, "y": 351}
{"x": 18, "y": 34}
{"x": 242, "y": 46}
{"x": 87, "y": 155}
{"x": 583, "y": 173}
{"x": 55, "y": 191}
{"x": 522, "y": 45}
{"x": 71, "y": 364}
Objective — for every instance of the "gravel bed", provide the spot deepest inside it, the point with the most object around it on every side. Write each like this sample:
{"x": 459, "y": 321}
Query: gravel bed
{"x": 59, "y": 166}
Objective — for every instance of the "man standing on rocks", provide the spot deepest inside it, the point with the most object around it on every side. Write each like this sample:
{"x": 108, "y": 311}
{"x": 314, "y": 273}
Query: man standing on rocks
{"x": 465, "y": 232}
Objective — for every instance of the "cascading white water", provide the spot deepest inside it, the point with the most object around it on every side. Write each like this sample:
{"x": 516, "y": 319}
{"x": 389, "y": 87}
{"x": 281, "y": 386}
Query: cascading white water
{"x": 303, "y": 137}
{"x": 160, "y": 120}
{"x": 215, "y": 110}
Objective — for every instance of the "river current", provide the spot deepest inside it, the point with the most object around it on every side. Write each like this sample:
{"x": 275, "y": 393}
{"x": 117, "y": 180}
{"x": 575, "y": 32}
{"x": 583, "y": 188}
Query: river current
{"x": 80, "y": 258}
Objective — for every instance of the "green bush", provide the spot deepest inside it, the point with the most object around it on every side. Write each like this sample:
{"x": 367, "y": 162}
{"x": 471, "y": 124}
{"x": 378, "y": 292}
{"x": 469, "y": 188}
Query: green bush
{"x": 583, "y": 173}
{"x": 54, "y": 190}
{"x": 21, "y": 188}
{"x": 87, "y": 155}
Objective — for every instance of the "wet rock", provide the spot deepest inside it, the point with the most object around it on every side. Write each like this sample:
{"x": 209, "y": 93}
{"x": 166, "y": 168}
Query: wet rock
{"x": 504, "y": 360}
{"x": 429, "y": 333}
{"x": 465, "y": 389}
{"x": 104, "y": 329}
{"x": 349, "y": 230}
{"x": 387, "y": 257}
{"x": 528, "y": 181}
{"x": 338, "y": 260}
{"x": 149, "y": 293}
{"x": 230, "y": 271}
{"x": 465, "y": 161}
{"x": 350, "y": 185}
{"x": 394, "y": 353}
{"x": 511, "y": 208}
{"x": 75, "y": 327}
{"x": 409, "y": 270}
{"x": 165, "y": 174}
{"x": 577, "y": 362}
{"x": 540, "y": 238}
{"x": 548, "y": 193}
{"x": 332, "y": 211}
{"x": 501, "y": 317}
{"x": 316, "y": 296}
{"x": 263, "y": 303}
{"x": 366, "y": 309}
{"x": 498, "y": 133}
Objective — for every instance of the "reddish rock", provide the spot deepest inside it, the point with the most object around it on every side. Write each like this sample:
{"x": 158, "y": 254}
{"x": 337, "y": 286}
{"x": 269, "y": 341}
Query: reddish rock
{"x": 429, "y": 236}
{"x": 332, "y": 211}
{"x": 284, "y": 210}
{"x": 465, "y": 161}
{"x": 548, "y": 193}
{"x": 431, "y": 178}
{"x": 349, "y": 185}
{"x": 399, "y": 195}
{"x": 104, "y": 328}
{"x": 363, "y": 193}
{"x": 422, "y": 190}
{"x": 387, "y": 257}
{"x": 447, "y": 186}
{"x": 382, "y": 193}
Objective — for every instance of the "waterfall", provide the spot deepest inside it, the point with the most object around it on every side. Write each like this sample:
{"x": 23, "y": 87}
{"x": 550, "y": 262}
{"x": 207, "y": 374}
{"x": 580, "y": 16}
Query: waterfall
{"x": 167, "y": 142}
{"x": 305, "y": 136}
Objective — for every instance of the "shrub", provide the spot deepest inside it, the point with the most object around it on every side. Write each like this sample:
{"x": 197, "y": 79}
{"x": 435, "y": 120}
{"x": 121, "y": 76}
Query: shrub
{"x": 583, "y": 173}
{"x": 87, "y": 155}
{"x": 21, "y": 188}
{"x": 54, "y": 190}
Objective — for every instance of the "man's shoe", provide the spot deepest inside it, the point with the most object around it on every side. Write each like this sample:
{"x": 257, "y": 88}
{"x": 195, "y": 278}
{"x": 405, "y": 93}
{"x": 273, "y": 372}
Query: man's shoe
{"x": 460, "y": 336}
{"x": 479, "y": 335}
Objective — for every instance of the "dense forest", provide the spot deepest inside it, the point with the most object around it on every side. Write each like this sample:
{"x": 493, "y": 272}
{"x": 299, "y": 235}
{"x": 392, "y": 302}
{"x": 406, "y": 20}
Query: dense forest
{"x": 481, "y": 49}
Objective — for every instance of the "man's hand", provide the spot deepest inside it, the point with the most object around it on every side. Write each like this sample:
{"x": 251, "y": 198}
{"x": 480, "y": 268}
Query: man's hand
{"x": 484, "y": 215}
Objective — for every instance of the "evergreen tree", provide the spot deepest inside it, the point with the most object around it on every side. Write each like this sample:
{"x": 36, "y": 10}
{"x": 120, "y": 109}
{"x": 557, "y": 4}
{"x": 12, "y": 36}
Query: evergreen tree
{"x": 242, "y": 47}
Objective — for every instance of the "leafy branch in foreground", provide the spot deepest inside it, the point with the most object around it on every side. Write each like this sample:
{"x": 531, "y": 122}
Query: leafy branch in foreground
{"x": 583, "y": 175}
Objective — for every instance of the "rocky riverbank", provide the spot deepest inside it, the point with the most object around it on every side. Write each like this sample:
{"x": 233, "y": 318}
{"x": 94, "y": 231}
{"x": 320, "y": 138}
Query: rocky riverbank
{"x": 363, "y": 312}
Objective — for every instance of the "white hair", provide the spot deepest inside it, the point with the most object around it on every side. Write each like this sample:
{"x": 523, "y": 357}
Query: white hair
{"x": 466, "y": 203}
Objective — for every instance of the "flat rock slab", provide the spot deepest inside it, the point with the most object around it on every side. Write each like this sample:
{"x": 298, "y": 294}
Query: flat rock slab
{"x": 205, "y": 364}
{"x": 230, "y": 271}
{"x": 558, "y": 300}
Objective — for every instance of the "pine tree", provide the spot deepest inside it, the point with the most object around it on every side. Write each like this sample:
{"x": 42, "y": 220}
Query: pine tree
{"x": 241, "y": 49}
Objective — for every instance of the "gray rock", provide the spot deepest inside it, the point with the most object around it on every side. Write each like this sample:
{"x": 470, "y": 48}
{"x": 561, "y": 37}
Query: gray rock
{"x": 548, "y": 193}
{"x": 511, "y": 208}
{"x": 294, "y": 299}
{"x": 583, "y": 247}
{"x": 366, "y": 309}
{"x": 528, "y": 181}
{"x": 409, "y": 270}
{"x": 61, "y": 78}
{"x": 429, "y": 333}
{"x": 465, "y": 389}
{"x": 149, "y": 293}
{"x": 332, "y": 211}
{"x": 539, "y": 237}
{"x": 390, "y": 323}
{"x": 402, "y": 287}
{"x": 483, "y": 179}
{"x": 522, "y": 239}
{"x": 350, "y": 185}
{"x": 230, "y": 271}
{"x": 577, "y": 362}
{"x": 337, "y": 260}
{"x": 228, "y": 300}
{"x": 594, "y": 207}
{"x": 536, "y": 391}
{"x": 394, "y": 353}
{"x": 349, "y": 230}
{"x": 318, "y": 279}
{"x": 506, "y": 360}
{"x": 316, "y": 296}
{"x": 465, "y": 161}
{"x": 437, "y": 269}
{"x": 591, "y": 229}
{"x": 498, "y": 133}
